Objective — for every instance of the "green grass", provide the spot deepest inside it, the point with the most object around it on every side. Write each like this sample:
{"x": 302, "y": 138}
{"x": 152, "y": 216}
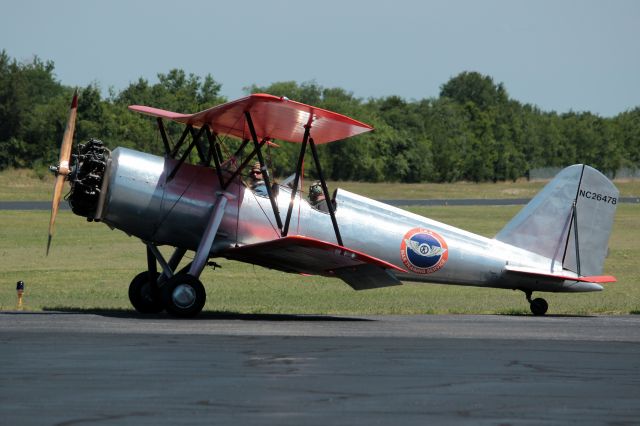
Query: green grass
{"x": 90, "y": 267}
{"x": 25, "y": 185}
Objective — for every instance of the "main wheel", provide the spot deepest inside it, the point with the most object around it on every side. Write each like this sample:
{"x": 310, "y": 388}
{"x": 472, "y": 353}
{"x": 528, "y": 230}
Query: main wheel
{"x": 144, "y": 294}
{"x": 539, "y": 306}
{"x": 183, "y": 296}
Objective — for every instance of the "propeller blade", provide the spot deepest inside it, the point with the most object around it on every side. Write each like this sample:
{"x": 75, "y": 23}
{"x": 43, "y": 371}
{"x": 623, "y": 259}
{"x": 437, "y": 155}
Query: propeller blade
{"x": 63, "y": 170}
{"x": 67, "y": 139}
{"x": 57, "y": 195}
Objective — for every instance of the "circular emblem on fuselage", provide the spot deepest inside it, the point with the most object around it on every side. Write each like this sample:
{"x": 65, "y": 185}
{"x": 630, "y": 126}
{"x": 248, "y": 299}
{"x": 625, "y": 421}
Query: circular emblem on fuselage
{"x": 423, "y": 251}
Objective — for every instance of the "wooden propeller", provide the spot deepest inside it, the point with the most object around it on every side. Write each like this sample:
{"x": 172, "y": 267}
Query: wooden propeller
{"x": 62, "y": 170}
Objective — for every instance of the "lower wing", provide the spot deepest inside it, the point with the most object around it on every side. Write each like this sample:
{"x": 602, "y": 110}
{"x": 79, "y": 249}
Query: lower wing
{"x": 306, "y": 255}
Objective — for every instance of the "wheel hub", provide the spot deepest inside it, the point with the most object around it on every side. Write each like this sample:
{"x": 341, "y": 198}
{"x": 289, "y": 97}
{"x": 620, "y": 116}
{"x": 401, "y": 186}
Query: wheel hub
{"x": 184, "y": 296}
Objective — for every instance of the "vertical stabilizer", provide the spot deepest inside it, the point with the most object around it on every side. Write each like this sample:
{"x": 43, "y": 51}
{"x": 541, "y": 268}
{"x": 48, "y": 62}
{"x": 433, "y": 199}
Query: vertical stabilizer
{"x": 569, "y": 221}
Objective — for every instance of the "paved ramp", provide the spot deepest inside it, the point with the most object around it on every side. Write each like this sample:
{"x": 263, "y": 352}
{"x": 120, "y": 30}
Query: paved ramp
{"x": 119, "y": 368}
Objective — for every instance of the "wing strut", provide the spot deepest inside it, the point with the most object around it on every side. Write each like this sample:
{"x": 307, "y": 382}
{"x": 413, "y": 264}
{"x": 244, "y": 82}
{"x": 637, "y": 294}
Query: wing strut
{"x": 294, "y": 191}
{"x": 205, "y": 157}
{"x": 242, "y": 166}
{"x": 307, "y": 139}
{"x": 265, "y": 172}
{"x": 332, "y": 212}
{"x": 214, "y": 152}
{"x": 194, "y": 143}
{"x": 163, "y": 134}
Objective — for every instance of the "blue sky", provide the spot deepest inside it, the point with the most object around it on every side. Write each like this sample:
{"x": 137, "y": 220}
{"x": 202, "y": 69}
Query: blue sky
{"x": 557, "y": 54}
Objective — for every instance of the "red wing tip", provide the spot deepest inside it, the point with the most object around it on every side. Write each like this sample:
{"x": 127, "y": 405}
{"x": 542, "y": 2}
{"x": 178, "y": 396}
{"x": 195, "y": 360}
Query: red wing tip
{"x": 600, "y": 279}
{"x": 157, "y": 112}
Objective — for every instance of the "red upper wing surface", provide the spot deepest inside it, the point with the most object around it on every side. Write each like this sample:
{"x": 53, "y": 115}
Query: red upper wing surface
{"x": 273, "y": 117}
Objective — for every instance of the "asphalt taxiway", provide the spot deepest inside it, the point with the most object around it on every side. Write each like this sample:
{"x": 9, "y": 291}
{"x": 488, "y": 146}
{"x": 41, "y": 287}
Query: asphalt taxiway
{"x": 81, "y": 368}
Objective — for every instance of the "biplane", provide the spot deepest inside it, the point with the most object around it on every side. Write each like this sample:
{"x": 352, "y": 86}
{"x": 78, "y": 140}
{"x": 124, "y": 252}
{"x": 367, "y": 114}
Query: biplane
{"x": 556, "y": 243}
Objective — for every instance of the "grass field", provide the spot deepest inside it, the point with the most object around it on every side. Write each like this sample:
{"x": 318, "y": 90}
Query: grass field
{"x": 90, "y": 267}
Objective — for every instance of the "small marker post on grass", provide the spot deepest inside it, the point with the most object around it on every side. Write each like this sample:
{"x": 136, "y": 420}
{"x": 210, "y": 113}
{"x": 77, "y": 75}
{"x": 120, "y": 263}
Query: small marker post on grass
{"x": 20, "y": 291}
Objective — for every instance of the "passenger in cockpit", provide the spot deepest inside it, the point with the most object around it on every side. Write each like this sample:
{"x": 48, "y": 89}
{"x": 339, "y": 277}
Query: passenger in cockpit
{"x": 316, "y": 197}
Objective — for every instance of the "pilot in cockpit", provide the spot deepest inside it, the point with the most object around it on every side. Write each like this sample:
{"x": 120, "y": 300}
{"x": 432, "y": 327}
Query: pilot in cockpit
{"x": 256, "y": 181}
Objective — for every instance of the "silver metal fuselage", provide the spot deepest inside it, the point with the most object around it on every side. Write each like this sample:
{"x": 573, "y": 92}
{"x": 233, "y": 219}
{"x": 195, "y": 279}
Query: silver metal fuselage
{"x": 139, "y": 200}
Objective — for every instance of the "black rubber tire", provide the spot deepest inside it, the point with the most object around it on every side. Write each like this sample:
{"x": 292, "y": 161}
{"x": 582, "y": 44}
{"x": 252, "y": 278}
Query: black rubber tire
{"x": 142, "y": 295}
{"x": 539, "y": 306}
{"x": 186, "y": 307}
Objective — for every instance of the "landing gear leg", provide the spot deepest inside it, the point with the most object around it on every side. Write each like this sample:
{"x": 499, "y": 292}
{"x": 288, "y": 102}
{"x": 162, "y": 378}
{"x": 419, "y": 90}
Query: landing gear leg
{"x": 538, "y": 306}
{"x": 183, "y": 295}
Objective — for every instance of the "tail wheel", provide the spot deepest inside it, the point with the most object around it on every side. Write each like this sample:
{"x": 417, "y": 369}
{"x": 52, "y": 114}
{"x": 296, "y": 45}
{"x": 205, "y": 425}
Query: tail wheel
{"x": 183, "y": 296}
{"x": 539, "y": 306}
{"x": 144, "y": 294}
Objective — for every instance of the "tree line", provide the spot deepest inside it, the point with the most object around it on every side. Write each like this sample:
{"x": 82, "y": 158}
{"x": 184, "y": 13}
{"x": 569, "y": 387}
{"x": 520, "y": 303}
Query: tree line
{"x": 472, "y": 131}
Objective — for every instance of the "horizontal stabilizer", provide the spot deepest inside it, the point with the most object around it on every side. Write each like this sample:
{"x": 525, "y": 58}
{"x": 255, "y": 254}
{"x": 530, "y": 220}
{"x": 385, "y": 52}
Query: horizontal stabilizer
{"x": 599, "y": 279}
{"x": 306, "y": 255}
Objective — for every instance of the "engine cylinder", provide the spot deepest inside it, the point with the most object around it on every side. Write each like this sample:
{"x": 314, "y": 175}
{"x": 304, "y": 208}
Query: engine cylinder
{"x": 87, "y": 178}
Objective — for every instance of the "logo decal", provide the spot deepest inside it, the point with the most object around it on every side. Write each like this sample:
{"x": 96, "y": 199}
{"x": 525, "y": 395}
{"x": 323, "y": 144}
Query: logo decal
{"x": 423, "y": 251}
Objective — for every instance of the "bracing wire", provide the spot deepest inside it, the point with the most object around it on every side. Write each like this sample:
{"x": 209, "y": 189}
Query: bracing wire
{"x": 299, "y": 195}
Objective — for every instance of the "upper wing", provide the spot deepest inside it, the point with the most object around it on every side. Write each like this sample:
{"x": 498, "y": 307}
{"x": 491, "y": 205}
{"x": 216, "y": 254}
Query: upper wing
{"x": 273, "y": 117}
{"x": 310, "y": 256}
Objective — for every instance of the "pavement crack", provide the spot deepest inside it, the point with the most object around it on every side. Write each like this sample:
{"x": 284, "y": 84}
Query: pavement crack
{"x": 104, "y": 418}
